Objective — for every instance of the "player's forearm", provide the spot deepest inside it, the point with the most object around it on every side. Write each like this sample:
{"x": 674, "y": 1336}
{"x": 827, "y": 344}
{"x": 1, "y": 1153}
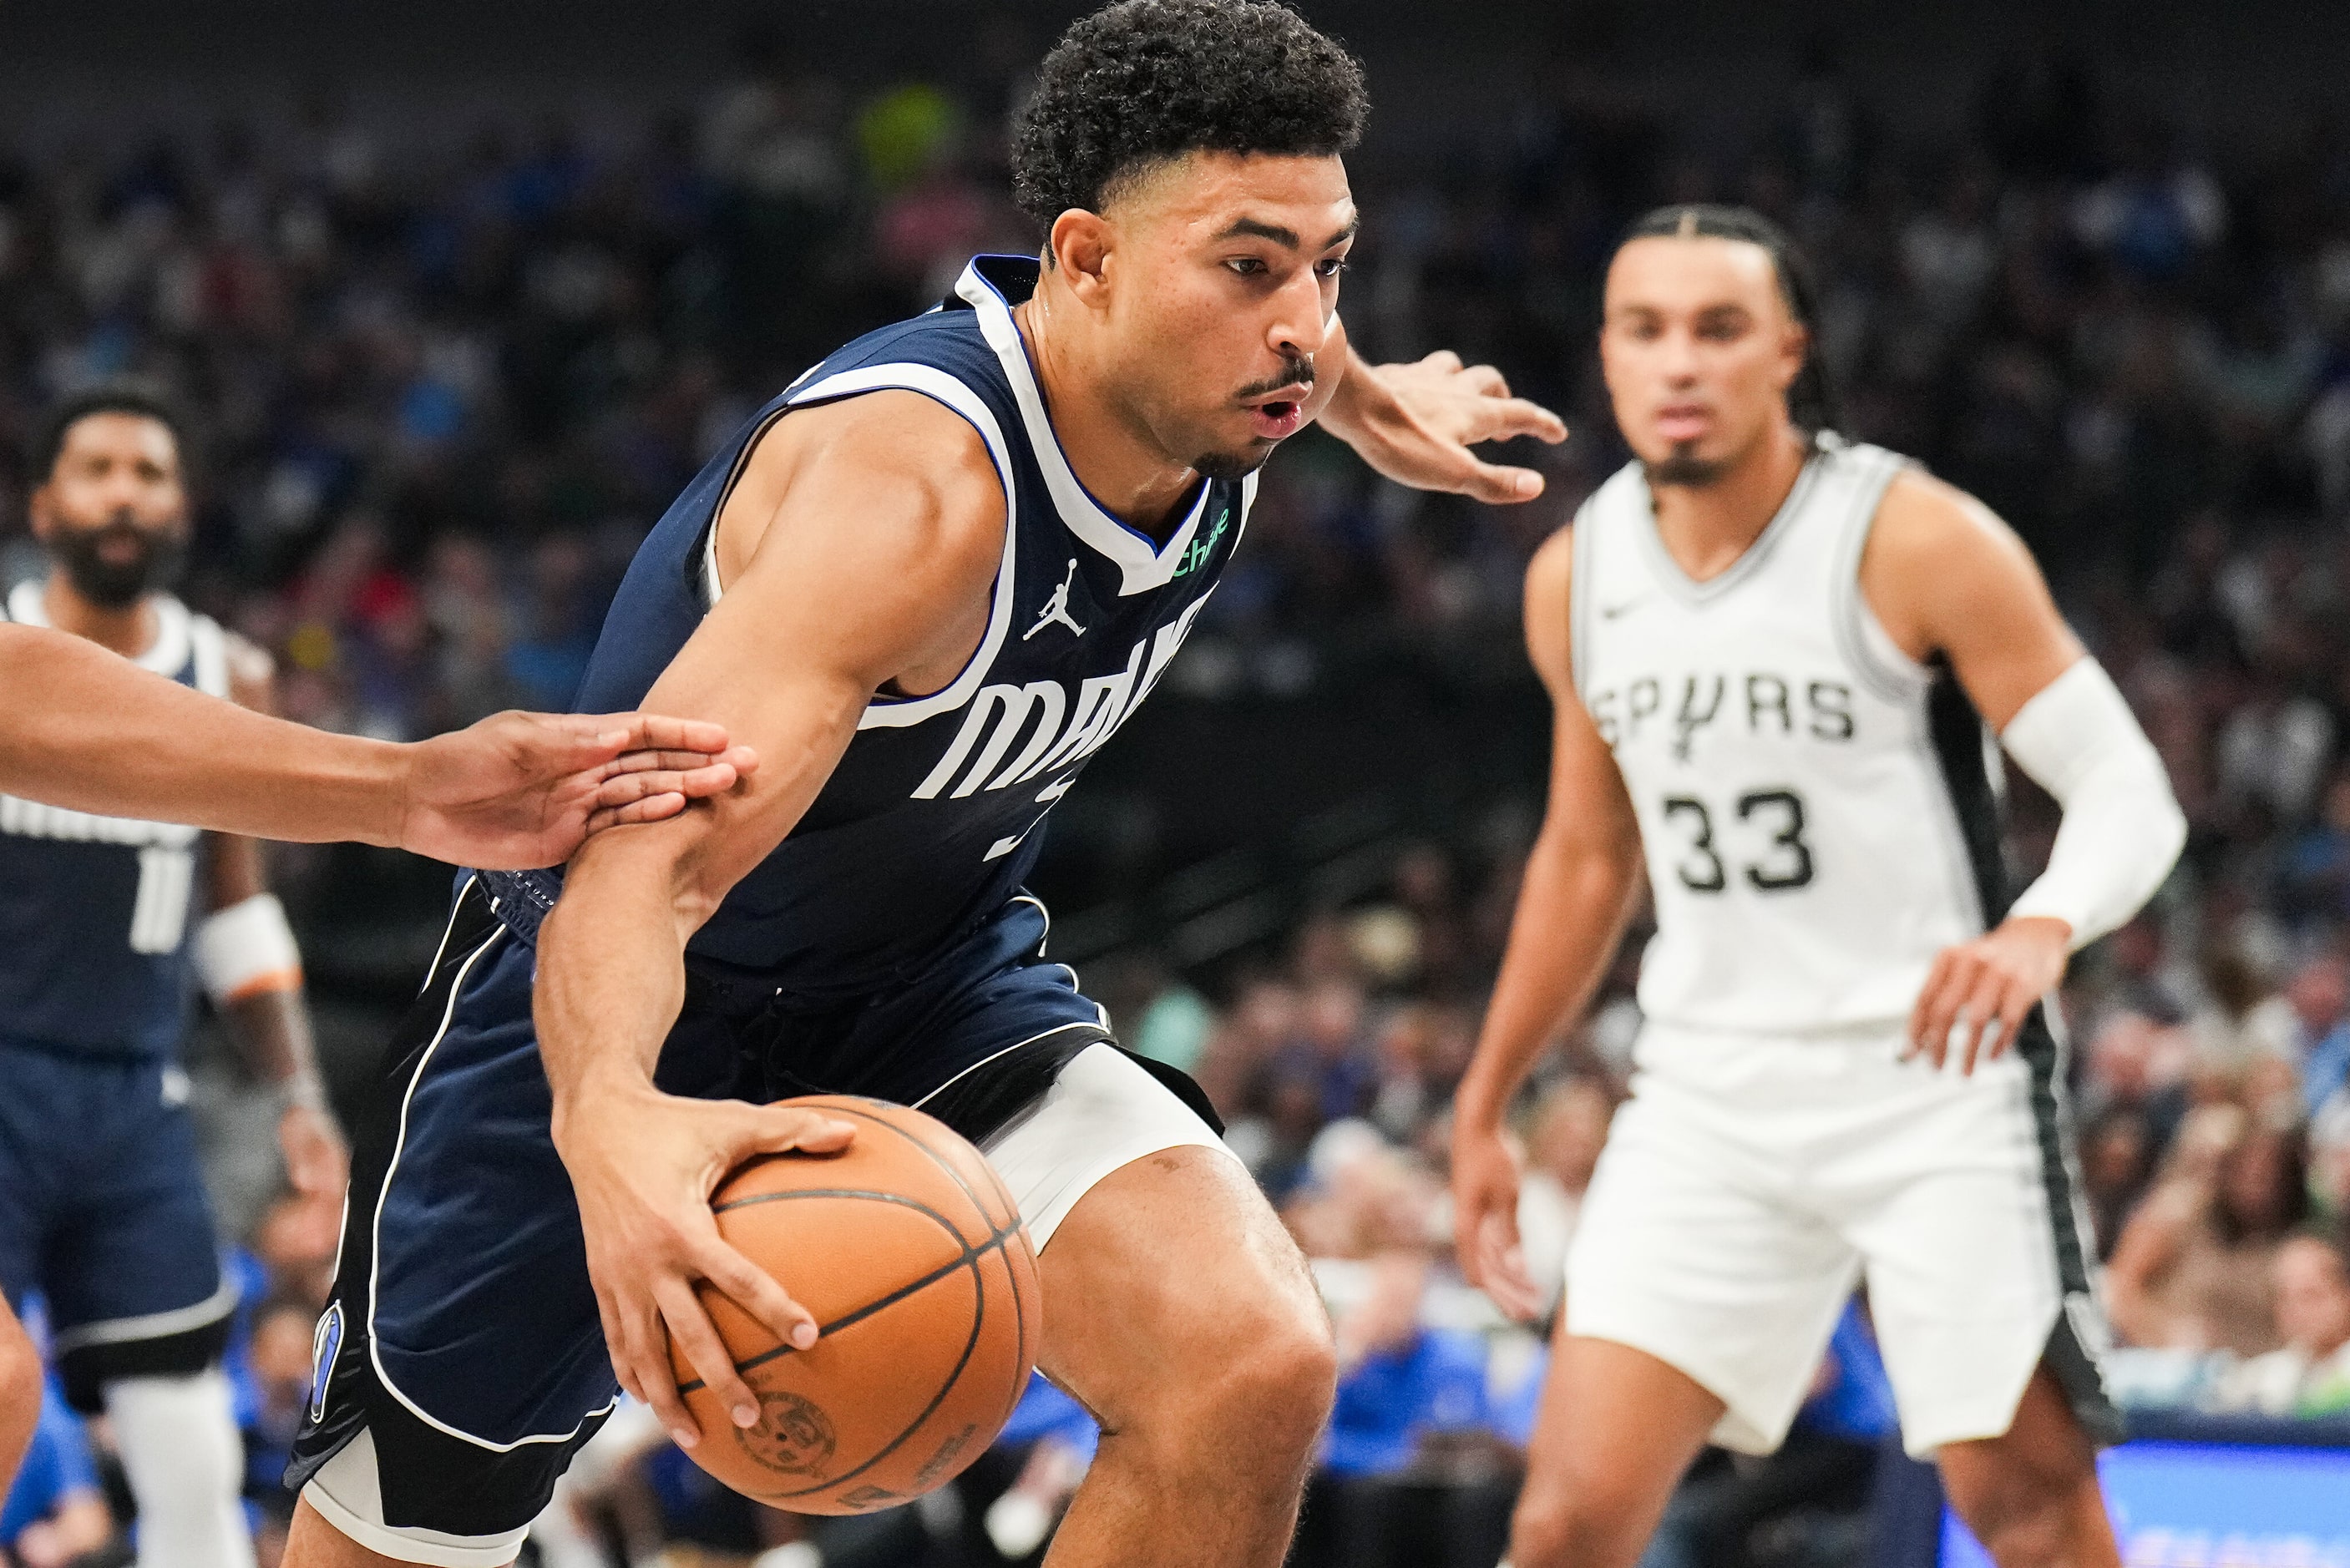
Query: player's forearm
{"x": 611, "y": 970}
{"x": 85, "y": 729}
{"x": 1570, "y": 916}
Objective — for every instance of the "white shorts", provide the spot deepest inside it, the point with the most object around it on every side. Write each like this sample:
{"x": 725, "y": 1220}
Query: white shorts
{"x": 1102, "y": 1111}
{"x": 1752, "y": 1181}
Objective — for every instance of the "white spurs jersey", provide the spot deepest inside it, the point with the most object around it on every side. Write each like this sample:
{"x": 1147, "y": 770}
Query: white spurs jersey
{"x": 1818, "y": 810}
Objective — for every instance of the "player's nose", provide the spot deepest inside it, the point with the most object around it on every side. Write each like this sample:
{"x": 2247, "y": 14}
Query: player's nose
{"x": 1299, "y": 328}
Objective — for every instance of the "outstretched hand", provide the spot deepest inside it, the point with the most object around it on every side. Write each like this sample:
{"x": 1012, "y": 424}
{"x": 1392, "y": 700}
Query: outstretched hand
{"x": 520, "y": 790}
{"x": 1415, "y": 424}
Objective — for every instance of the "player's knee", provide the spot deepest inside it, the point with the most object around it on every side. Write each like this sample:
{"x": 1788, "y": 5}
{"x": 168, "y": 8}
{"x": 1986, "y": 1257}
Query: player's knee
{"x": 1278, "y": 1379}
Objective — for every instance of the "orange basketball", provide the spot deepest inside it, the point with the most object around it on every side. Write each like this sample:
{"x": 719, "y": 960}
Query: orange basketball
{"x": 911, "y": 1255}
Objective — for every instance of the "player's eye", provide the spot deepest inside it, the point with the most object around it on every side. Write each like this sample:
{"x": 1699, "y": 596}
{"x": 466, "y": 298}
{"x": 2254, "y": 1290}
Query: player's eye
{"x": 1330, "y": 267}
{"x": 1248, "y": 266}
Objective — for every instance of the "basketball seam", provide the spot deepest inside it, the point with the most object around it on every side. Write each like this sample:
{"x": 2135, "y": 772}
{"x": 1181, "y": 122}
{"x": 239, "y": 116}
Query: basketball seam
{"x": 970, "y": 1258}
{"x": 1012, "y": 1206}
{"x": 962, "y": 1363}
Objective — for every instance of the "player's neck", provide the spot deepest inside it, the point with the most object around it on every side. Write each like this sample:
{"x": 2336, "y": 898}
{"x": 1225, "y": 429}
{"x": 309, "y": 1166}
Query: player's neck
{"x": 128, "y": 631}
{"x": 1132, "y": 479}
{"x": 1707, "y": 527}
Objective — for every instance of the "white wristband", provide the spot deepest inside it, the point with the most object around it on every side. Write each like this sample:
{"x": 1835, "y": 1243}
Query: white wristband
{"x": 2122, "y": 829}
{"x": 247, "y": 950}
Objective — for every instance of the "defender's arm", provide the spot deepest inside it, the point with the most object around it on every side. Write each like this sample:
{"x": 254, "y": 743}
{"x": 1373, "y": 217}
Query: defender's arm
{"x": 1580, "y": 881}
{"x": 517, "y": 789}
{"x": 879, "y": 527}
{"x": 1946, "y": 576}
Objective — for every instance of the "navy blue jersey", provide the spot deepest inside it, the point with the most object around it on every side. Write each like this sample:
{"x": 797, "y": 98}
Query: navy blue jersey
{"x": 94, "y": 909}
{"x": 930, "y": 821}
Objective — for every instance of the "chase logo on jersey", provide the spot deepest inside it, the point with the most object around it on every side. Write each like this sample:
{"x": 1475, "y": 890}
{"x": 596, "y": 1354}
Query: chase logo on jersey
{"x": 1011, "y": 734}
{"x": 1201, "y": 549}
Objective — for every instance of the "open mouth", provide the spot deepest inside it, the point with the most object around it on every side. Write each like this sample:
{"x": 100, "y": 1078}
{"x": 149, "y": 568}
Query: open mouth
{"x": 1277, "y": 418}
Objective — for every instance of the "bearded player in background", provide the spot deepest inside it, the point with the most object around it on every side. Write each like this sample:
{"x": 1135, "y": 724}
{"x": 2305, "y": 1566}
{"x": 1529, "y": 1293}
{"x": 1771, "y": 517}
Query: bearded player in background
{"x": 147, "y": 750}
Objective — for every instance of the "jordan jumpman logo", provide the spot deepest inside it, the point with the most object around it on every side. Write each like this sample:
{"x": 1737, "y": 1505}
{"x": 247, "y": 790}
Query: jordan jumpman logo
{"x": 1057, "y": 608}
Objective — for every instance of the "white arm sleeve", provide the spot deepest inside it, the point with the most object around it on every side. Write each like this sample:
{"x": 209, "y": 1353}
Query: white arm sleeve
{"x": 2122, "y": 829}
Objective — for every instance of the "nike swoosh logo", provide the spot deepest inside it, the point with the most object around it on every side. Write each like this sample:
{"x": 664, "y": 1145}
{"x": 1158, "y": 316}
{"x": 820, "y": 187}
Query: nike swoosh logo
{"x": 1609, "y": 612}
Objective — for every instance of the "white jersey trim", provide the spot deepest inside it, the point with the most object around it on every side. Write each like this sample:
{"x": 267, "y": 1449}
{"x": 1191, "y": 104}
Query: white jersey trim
{"x": 374, "y": 1261}
{"x": 1690, "y": 590}
{"x": 887, "y": 712}
{"x": 1142, "y": 564}
{"x": 1875, "y": 657}
{"x": 167, "y": 655}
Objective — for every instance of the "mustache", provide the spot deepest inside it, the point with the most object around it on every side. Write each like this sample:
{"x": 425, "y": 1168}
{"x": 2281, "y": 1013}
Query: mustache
{"x": 1298, "y": 371}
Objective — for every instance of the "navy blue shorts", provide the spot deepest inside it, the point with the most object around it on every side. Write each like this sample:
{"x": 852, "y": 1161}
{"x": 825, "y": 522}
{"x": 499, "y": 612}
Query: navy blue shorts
{"x": 102, "y": 1210}
{"x": 462, "y": 1335}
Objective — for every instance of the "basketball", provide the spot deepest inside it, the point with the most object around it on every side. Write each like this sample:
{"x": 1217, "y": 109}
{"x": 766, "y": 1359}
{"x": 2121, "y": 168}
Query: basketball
{"x": 911, "y": 1255}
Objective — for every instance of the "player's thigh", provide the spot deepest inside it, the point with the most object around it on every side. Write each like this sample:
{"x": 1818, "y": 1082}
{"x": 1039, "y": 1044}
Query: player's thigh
{"x": 1688, "y": 1251}
{"x": 312, "y": 1542}
{"x": 1178, "y": 1307}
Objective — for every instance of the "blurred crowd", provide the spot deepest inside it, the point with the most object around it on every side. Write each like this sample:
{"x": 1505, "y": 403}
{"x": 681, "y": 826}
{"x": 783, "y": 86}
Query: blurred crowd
{"x": 445, "y": 381}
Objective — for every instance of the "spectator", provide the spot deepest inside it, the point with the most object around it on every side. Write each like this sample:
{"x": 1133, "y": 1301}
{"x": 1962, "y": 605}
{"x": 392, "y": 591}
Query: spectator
{"x": 2308, "y": 1374}
{"x": 2193, "y": 1266}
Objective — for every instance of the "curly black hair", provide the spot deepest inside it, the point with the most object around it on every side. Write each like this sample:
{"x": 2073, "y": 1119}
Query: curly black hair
{"x": 1146, "y": 80}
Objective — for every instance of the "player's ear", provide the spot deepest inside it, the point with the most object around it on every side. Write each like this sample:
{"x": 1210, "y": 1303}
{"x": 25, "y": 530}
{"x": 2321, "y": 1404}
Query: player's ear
{"x": 1795, "y": 348}
{"x": 1081, "y": 246}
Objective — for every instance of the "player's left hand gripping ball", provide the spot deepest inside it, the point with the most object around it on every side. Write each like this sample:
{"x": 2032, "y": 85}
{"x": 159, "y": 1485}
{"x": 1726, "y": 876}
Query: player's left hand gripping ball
{"x": 521, "y": 789}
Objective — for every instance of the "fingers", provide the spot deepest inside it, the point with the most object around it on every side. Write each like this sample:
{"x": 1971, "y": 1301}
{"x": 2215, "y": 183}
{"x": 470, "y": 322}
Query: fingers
{"x": 1486, "y": 382}
{"x": 656, "y": 733}
{"x": 2012, "y": 1014}
{"x": 693, "y": 783}
{"x": 1506, "y": 419}
{"x": 757, "y": 1292}
{"x": 1937, "y": 1007}
{"x": 1442, "y": 360}
{"x": 1496, "y": 485}
{"x": 1979, "y": 1010}
{"x": 652, "y": 808}
{"x": 646, "y": 1354}
{"x": 691, "y": 1334}
{"x": 777, "y": 1129}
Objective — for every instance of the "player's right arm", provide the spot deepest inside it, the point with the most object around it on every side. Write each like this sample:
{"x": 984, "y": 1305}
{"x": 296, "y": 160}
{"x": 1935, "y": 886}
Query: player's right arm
{"x": 860, "y": 548}
{"x": 1580, "y": 881}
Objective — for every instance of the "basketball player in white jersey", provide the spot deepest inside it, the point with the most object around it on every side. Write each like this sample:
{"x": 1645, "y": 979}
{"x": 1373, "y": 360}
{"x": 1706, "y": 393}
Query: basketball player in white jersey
{"x": 1773, "y": 656}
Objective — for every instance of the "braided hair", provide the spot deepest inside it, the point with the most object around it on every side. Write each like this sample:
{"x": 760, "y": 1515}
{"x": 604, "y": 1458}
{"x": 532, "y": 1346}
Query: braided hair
{"x": 1811, "y": 403}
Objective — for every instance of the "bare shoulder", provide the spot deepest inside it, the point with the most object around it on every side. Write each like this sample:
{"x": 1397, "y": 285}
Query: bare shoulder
{"x": 1937, "y": 561}
{"x": 1549, "y": 594}
{"x": 252, "y": 673}
{"x": 915, "y": 475}
{"x": 1926, "y": 527}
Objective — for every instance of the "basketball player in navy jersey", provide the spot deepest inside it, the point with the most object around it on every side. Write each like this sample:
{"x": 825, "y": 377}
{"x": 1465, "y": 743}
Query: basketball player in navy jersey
{"x": 516, "y": 789}
{"x": 1775, "y": 657}
{"x": 927, "y": 582}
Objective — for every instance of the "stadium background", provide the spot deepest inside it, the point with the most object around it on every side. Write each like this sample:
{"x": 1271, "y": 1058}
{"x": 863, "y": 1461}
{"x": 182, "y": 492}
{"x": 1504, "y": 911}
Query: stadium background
{"x": 461, "y": 294}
